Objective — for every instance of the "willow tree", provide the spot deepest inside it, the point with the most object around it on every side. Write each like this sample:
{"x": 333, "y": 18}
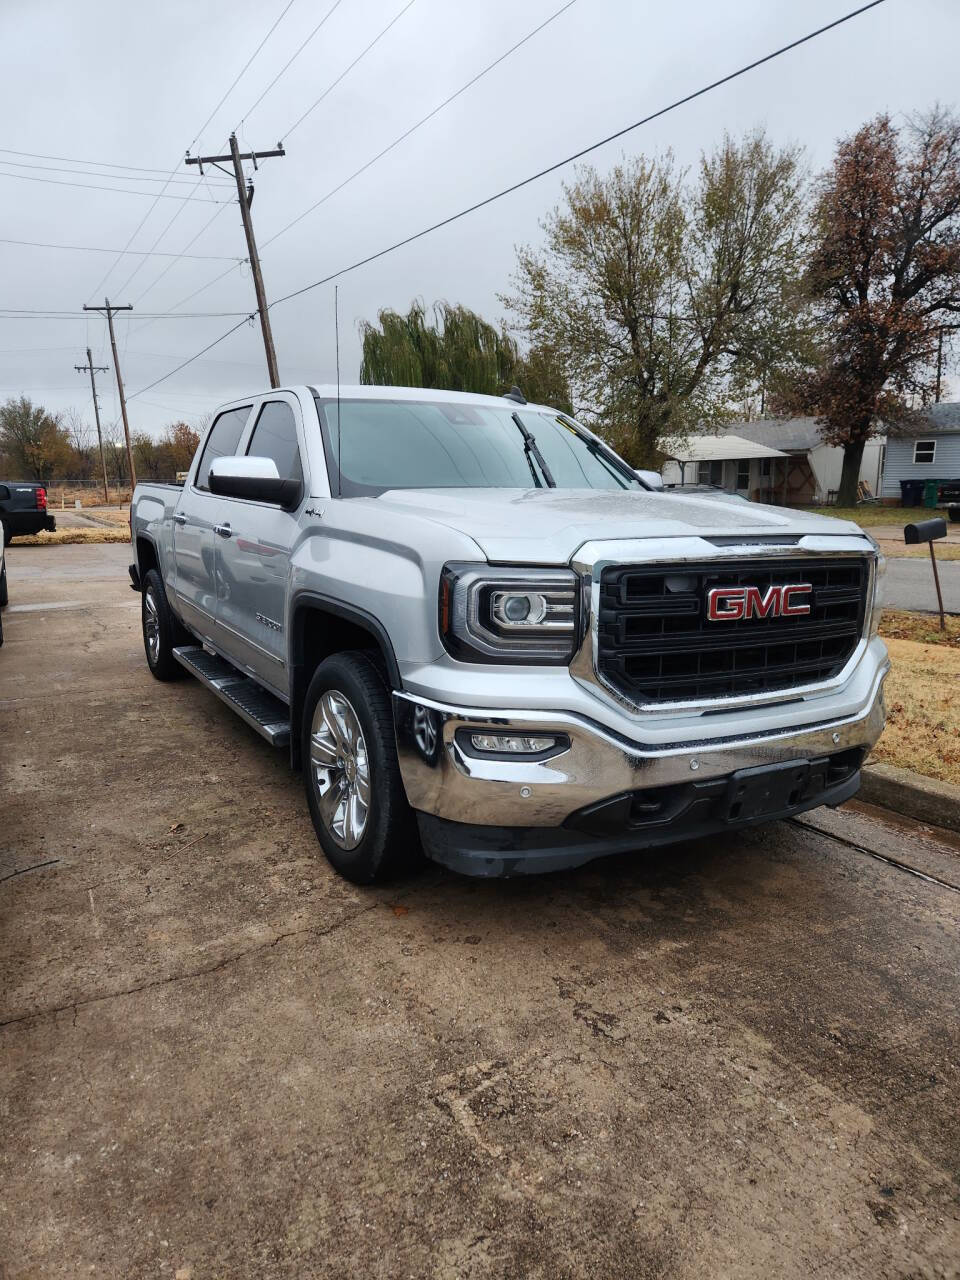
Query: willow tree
{"x": 656, "y": 289}
{"x": 457, "y": 351}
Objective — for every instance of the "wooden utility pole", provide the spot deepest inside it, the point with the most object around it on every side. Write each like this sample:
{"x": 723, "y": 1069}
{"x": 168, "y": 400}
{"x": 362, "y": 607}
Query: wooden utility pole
{"x": 108, "y": 311}
{"x": 245, "y": 195}
{"x": 94, "y": 369}
{"x": 939, "y": 362}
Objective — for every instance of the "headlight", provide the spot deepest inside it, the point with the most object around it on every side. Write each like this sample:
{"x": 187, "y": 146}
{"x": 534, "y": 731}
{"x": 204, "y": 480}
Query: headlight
{"x": 509, "y": 615}
{"x": 876, "y": 605}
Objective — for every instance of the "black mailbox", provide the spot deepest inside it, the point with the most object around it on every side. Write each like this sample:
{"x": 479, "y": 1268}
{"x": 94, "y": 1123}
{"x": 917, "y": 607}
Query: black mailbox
{"x": 924, "y": 531}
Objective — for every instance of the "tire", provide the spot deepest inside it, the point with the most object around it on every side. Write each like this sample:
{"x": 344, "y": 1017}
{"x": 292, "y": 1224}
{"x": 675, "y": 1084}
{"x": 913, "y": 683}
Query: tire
{"x": 954, "y": 514}
{"x": 4, "y": 594}
{"x": 161, "y": 630}
{"x": 350, "y": 771}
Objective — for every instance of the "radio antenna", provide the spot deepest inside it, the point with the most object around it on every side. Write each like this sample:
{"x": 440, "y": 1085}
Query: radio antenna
{"x": 336, "y": 330}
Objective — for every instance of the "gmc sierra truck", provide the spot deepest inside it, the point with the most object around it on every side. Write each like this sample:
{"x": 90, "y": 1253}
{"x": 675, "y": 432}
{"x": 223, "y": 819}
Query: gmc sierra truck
{"x": 482, "y": 635}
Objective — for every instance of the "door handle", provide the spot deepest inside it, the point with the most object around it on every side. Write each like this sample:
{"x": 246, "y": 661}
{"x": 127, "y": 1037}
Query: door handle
{"x": 179, "y": 518}
{"x": 223, "y": 530}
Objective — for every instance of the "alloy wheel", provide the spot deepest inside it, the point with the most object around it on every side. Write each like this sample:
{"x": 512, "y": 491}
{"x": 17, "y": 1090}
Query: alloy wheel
{"x": 151, "y": 626}
{"x": 340, "y": 768}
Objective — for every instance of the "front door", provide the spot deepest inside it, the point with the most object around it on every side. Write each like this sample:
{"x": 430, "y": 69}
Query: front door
{"x": 194, "y": 539}
{"x": 253, "y": 556}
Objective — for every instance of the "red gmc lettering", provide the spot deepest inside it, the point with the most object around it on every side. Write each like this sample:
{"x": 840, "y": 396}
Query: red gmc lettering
{"x": 733, "y": 604}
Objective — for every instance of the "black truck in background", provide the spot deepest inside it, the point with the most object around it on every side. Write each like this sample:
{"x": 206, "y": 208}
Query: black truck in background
{"x": 23, "y": 509}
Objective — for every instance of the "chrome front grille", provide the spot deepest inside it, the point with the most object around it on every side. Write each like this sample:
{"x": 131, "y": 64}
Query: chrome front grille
{"x": 656, "y": 644}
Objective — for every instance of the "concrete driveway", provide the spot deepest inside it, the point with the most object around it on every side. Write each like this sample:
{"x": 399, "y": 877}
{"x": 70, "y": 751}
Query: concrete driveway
{"x": 736, "y": 1058}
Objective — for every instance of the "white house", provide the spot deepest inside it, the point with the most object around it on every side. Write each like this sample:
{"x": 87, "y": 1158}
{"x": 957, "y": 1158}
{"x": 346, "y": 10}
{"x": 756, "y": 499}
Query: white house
{"x": 795, "y": 467}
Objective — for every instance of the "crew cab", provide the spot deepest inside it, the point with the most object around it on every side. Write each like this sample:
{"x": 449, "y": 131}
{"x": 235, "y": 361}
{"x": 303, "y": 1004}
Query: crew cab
{"x": 480, "y": 633}
{"x": 23, "y": 509}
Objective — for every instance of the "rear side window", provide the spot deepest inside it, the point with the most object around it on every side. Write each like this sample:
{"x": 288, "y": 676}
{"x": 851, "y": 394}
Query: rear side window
{"x": 221, "y": 442}
{"x": 275, "y": 436}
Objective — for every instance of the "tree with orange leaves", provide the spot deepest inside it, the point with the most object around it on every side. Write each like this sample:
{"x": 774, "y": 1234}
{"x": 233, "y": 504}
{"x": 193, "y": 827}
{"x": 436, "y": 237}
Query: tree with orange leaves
{"x": 883, "y": 277}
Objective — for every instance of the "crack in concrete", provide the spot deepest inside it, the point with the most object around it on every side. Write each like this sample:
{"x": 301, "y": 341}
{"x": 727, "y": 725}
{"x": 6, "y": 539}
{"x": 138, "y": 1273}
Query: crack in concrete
{"x": 75, "y": 1005}
{"x": 872, "y": 853}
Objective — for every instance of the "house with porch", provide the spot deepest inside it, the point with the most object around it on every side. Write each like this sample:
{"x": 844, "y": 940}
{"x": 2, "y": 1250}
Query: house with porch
{"x": 776, "y": 460}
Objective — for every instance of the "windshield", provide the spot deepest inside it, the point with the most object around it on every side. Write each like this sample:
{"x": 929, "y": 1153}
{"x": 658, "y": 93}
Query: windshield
{"x": 411, "y": 444}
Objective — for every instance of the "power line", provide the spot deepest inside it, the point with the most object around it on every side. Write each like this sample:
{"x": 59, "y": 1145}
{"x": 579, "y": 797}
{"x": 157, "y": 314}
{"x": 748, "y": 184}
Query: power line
{"x": 124, "y": 191}
{"x": 242, "y": 70}
{"x": 578, "y": 155}
{"x": 329, "y": 14}
{"x": 103, "y": 164}
{"x": 143, "y": 253}
{"x": 198, "y": 133}
{"x": 185, "y": 254}
{"x": 329, "y": 89}
{"x": 360, "y": 56}
{"x": 662, "y": 111}
{"x": 424, "y": 119}
{"x": 92, "y": 173}
{"x": 190, "y": 360}
{"x": 142, "y": 263}
{"x": 51, "y": 314}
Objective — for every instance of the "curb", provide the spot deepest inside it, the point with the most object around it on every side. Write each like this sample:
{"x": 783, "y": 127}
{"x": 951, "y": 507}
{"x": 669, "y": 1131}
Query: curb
{"x": 925, "y": 799}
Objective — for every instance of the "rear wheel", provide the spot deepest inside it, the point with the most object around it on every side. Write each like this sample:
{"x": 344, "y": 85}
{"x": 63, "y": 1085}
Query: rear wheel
{"x": 161, "y": 631}
{"x": 351, "y": 774}
{"x": 4, "y": 595}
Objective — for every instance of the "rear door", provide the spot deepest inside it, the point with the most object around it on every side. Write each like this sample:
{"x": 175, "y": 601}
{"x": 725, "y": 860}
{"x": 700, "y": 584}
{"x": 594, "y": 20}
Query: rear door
{"x": 254, "y": 560}
{"x": 197, "y": 515}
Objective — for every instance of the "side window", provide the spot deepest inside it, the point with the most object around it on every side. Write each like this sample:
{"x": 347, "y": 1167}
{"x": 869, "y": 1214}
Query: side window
{"x": 924, "y": 451}
{"x": 275, "y": 436}
{"x": 223, "y": 440}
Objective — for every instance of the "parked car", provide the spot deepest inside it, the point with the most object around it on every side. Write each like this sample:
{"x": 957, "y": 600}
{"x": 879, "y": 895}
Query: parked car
{"x": 472, "y": 623}
{"x": 23, "y": 509}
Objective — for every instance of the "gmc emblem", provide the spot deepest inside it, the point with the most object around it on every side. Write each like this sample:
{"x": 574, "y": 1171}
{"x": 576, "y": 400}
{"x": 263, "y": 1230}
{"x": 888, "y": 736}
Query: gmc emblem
{"x": 734, "y": 604}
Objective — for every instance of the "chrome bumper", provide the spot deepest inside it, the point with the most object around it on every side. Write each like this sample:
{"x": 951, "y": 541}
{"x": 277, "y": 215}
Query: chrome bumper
{"x": 443, "y": 780}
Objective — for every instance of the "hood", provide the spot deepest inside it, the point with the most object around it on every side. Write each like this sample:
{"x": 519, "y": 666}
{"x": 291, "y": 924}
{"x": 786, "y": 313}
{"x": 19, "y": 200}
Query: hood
{"x": 547, "y": 526}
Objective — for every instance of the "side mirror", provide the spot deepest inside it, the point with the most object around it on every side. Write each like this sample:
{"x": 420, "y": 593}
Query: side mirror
{"x": 255, "y": 479}
{"x": 652, "y": 479}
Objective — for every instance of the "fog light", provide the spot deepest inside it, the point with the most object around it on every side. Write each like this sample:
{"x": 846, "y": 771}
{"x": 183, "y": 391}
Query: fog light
{"x": 511, "y": 743}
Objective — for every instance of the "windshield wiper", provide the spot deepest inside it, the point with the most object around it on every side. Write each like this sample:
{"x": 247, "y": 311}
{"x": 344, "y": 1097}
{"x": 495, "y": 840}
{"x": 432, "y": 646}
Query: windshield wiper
{"x": 530, "y": 447}
{"x": 602, "y": 452}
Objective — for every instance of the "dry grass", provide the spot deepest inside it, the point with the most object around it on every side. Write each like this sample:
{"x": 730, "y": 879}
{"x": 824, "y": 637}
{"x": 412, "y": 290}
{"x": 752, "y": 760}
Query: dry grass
{"x": 63, "y": 537}
{"x": 923, "y": 695}
{"x": 872, "y": 515}
{"x": 924, "y": 628}
{"x": 60, "y": 496}
{"x": 898, "y": 551}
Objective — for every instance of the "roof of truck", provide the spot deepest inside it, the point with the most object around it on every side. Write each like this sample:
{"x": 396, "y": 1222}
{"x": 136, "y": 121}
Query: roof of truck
{"x": 352, "y": 392}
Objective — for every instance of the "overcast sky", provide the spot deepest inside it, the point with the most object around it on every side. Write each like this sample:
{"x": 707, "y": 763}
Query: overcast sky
{"x": 131, "y": 84}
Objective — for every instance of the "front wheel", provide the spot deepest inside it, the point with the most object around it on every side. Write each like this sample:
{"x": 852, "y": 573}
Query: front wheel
{"x": 4, "y": 594}
{"x": 161, "y": 630}
{"x": 351, "y": 774}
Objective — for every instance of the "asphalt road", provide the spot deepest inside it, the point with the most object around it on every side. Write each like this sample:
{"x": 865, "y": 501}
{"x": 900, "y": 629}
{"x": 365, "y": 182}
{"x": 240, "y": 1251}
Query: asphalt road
{"x": 737, "y": 1058}
{"x": 909, "y": 585}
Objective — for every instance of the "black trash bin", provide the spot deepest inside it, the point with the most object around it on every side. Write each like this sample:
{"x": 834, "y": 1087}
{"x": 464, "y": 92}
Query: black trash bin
{"x": 911, "y": 493}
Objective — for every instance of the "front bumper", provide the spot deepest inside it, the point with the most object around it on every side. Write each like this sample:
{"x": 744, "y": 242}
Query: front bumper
{"x": 508, "y": 796}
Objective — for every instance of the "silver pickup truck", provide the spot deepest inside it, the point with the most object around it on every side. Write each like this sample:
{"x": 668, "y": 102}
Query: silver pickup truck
{"x": 482, "y": 635}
